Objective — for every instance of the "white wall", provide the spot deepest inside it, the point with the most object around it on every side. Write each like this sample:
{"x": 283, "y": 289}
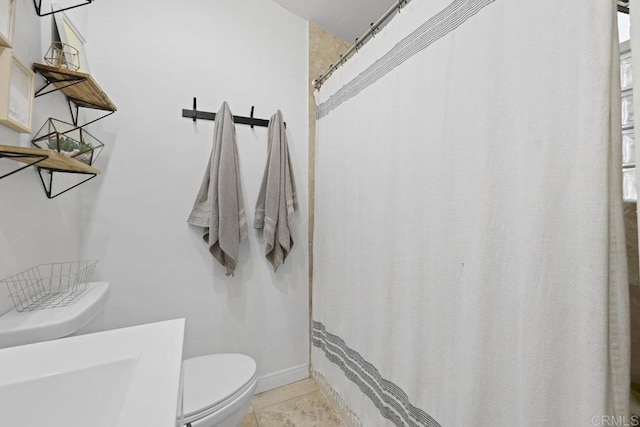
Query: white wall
{"x": 34, "y": 229}
{"x": 151, "y": 58}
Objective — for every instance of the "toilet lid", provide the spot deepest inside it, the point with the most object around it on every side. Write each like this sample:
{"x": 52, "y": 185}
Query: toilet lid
{"x": 214, "y": 378}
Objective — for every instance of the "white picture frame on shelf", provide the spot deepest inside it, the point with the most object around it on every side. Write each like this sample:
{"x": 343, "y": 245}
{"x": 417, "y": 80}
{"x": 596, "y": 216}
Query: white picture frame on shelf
{"x": 16, "y": 92}
{"x": 7, "y": 19}
{"x": 70, "y": 35}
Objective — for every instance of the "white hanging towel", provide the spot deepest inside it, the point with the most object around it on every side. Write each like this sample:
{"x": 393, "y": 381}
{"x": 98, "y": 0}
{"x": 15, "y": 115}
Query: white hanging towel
{"x": 277, "y": 200}
{"x": 219, "y": 206}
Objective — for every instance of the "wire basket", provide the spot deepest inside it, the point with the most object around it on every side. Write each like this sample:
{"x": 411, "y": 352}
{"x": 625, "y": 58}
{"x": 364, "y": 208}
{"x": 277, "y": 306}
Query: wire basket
{"x": 49, "y": 285}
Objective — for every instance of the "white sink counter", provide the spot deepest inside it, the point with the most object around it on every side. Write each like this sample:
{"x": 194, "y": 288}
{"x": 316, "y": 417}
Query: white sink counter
{"x": 26, "y": 327}
{"x": 122, "y": 377}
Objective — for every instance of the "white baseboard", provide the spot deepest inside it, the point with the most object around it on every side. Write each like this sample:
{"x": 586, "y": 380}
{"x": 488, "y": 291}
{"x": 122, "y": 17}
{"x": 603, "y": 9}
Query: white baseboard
{"x": 284, "y": 377}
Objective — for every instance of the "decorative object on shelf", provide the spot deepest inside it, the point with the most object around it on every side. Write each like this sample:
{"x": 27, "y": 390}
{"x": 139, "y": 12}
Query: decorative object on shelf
{"x": 68, "y": 139}
{"x": 16, "y": 92}
{"x": 63, "y": 55}
{"x": 49, "y": 285}
{"x": 49, "y": 161}
{"x": 7, "y": 18}
{"x": 38, "y": 5}
{"x": 70, "y": 36}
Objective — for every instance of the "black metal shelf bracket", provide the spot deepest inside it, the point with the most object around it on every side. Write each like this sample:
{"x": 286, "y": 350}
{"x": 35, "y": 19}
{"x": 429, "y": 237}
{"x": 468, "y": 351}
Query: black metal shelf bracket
{"x": 195, "y": 114}
{"x": 49, "y": 188}
{"x": 74, "y": 107}
{"x": 72, "y": 80}
{"x": 37, "y": 158}
{"x": 76, "y": 103}
{"x": 38, "y": 5}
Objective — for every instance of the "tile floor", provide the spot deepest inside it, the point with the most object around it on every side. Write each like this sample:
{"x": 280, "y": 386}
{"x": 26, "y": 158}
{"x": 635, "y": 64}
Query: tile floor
{"x": 300, "y": 404}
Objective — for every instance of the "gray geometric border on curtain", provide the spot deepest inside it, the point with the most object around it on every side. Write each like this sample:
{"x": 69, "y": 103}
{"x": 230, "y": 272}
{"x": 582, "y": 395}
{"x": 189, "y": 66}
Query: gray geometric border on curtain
{"x": 445, "y": 21}
{"x": 392, "y": 402}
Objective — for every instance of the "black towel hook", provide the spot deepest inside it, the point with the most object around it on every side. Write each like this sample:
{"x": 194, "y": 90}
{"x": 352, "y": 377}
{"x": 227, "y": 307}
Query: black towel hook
{"x": 251, "y": 116}
{"x": 195, "y": 109}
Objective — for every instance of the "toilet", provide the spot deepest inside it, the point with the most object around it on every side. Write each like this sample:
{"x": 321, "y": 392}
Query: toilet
{"x": 217, "y": 390}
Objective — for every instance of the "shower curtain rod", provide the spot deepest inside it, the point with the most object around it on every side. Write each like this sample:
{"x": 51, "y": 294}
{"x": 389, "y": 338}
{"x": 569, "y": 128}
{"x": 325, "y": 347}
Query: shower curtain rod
{"x": 374, "y": 27}
{"x": 623, "y": 6}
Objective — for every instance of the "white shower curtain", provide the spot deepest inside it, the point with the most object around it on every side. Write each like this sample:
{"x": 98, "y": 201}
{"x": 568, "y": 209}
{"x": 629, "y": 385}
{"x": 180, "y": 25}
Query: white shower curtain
{"x": 469, "y": 261}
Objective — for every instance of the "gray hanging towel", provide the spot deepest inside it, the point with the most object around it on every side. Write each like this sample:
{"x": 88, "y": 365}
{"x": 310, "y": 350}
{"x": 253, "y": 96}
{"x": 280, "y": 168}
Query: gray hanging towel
{"x": 277, "y": 200}
{"x": 219, "y": 206}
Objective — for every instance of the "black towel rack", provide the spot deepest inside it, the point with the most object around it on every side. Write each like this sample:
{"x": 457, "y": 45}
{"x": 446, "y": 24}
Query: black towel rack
{"x": 194, "y": 114}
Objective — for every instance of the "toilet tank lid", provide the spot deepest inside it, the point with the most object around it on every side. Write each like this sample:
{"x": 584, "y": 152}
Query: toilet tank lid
{"x": 28, "y": 327}
{"x": 211, "y": 379}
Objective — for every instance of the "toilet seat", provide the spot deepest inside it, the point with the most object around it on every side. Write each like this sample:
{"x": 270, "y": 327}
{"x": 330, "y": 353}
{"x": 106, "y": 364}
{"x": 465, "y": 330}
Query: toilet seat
{"x": 215, "y": 381}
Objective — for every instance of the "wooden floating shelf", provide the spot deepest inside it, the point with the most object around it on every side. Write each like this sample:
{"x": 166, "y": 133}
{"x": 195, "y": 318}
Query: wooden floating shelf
{"x": 55, "y": 161}
{"x": 79, "y": 87}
